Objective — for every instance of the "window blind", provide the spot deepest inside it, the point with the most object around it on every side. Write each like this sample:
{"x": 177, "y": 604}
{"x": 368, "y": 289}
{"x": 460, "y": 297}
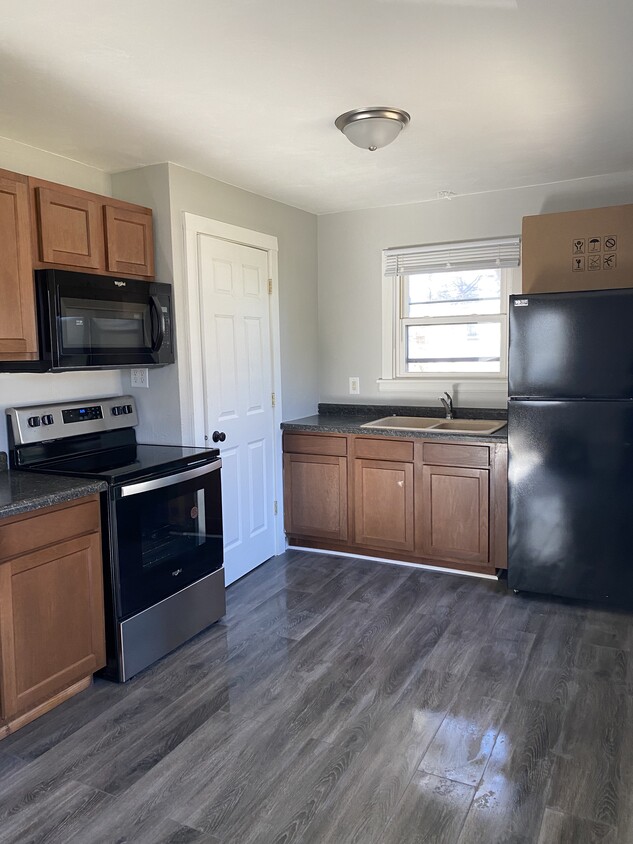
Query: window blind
{"x": 443, "y": 257}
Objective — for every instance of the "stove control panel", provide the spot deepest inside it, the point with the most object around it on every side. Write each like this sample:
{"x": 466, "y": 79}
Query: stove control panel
{"x": 82, "y": 414}
{"x": 55, "y": 421}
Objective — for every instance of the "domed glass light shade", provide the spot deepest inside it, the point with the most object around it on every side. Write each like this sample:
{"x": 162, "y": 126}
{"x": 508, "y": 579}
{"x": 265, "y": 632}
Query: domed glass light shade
{"x": 372, "y": 128}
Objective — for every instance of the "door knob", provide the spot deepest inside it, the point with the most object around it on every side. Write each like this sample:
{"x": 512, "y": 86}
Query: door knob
{"x": 218, "y": 436}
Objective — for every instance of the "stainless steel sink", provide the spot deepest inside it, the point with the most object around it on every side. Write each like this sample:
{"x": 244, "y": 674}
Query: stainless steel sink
{"x": 432, "y": 423}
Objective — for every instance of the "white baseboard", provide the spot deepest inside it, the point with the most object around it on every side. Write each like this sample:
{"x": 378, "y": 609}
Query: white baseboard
{"x": 437, "y": 569}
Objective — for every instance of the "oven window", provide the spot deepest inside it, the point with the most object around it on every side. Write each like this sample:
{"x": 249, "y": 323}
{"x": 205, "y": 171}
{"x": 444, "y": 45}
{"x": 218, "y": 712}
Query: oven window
{"x": 166, "y": 538}
{"x": 177, "y": 526}
{"x": 96, "y": 324}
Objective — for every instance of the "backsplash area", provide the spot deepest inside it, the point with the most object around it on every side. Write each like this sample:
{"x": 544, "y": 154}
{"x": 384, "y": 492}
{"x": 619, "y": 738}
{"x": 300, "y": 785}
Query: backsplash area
{"x": 406, "y": 410}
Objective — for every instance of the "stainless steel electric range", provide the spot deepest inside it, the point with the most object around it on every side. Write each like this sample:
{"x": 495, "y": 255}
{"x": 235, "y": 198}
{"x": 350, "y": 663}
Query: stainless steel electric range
{"x": 161, "y": 521}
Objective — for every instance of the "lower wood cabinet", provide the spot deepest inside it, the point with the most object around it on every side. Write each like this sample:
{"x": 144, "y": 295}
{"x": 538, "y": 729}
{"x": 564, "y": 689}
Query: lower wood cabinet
{"x": 383, "y": 493}
{"x": 453, "y": 507}
{"x": 52, "y": 635}
{"x": 315, "y": 495}
{"x": 433, "y": 501}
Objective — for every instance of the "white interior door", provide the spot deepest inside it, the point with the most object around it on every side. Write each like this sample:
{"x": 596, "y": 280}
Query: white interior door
{"x": 238, "y": 386}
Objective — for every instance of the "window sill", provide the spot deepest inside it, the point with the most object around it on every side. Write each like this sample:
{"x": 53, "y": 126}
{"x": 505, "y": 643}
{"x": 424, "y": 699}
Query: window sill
{"x": 480, "y": 392}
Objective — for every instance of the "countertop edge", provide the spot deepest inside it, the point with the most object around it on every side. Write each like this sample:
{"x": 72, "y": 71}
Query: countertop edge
{"x": 31, "y": 491}
{"x": 325, "y": 424}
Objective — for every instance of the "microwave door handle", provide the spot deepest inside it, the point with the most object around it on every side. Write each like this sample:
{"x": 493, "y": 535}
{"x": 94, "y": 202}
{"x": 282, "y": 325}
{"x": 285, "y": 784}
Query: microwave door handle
{"x": 154, "y": 304}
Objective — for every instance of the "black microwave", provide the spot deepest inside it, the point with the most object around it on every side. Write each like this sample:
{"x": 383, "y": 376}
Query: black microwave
{"x": 101, "y": 322}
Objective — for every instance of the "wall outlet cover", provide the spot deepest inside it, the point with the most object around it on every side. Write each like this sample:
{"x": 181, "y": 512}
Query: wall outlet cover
{"x": 139, "y": 378}
{"x": 354, "y": 385}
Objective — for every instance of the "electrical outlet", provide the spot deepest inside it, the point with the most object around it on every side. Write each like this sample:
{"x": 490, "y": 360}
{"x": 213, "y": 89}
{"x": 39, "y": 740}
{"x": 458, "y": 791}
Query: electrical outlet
{"x": 139, "y": 378}
{"x": 354, "y": 385}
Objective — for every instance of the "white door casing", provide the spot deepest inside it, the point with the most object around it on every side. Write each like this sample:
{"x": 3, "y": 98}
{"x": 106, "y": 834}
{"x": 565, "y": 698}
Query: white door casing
{"x": 229, "y": 370}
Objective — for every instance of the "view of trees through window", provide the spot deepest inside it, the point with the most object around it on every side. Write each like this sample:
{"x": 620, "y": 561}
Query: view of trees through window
{"x": 452, "y": 321}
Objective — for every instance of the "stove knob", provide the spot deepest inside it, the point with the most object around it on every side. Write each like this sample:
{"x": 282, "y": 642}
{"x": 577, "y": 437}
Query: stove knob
{"x": 129, "y": 408}
{"x": 47, "y": 420}
{"x": 33, "y": 421}
{"x": 116, "y": 411}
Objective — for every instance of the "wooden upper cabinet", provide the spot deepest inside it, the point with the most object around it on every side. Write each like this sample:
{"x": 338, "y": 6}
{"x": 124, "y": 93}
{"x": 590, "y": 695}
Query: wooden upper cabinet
{"x": 18, "y": 332}
{"x": 129, "y": 241}
{"x": 74, "y": 229}
{"x": 70, "y": 229}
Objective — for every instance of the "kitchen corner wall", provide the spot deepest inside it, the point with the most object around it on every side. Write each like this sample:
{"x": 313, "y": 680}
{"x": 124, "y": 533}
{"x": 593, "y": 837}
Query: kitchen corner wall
{"x": 17, "y": 388}
{"x": 171, "y": 190}
{"x": 350, "y": 264}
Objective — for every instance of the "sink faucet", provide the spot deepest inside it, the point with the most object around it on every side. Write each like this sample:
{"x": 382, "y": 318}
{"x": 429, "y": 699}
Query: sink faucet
{"x": 448, "y": 405}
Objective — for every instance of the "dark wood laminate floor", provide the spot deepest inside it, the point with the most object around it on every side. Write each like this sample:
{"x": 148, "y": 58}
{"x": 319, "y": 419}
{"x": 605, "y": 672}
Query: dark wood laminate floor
{"x": 346, "y": 701}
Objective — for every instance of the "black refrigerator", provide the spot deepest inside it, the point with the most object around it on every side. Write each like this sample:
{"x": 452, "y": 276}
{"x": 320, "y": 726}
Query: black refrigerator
{"x": 570, "y": 445}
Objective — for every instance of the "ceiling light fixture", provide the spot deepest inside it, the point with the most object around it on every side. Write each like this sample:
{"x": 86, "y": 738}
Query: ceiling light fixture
{"x": 372, "y": 128}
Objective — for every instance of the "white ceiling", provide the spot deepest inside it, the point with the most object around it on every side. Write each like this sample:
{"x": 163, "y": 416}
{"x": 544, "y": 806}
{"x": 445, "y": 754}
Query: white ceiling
{"x": 502, "y": 93}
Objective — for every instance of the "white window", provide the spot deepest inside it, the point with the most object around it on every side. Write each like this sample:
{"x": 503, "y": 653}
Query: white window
{"x": 452, "y": 323}
{"x": 448, "y": 308}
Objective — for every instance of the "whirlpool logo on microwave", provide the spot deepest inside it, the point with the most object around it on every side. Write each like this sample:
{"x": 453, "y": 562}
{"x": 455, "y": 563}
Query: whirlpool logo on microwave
{"x": 120, "y": 283}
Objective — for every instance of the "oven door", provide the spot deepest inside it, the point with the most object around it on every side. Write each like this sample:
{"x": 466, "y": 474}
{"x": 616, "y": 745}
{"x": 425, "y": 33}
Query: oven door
{"x": 166, "y": 533}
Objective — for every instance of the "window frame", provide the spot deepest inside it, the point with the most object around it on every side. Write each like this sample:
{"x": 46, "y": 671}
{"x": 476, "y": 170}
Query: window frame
{"x": 401, "y": 323}
{"x": 480, "y": 390}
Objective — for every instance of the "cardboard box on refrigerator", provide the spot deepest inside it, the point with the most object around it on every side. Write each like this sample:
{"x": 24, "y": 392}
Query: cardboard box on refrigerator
{"x": 578, "y": 250}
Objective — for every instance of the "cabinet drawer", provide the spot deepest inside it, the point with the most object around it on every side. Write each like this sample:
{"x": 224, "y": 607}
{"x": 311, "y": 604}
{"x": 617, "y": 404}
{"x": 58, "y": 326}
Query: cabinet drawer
{"x": 377, "y": 449}
{"x": 445, "y": 454}
{"x": 29, "y": 531}
{"x": 315, "y": 444}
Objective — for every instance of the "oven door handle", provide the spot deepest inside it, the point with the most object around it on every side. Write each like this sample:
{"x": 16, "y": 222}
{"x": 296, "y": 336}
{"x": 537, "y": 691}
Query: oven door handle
{"x": 170, "y": 480}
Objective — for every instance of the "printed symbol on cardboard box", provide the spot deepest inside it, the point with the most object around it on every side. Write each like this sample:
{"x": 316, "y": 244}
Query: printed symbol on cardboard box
{"x": 578, "y": 246}
{"x": 611, "y": 242}
{"x": 594, "y": 244}
{"x": 594, "y": 262}
{"x": 578, "y": 264}
{"x": 609, "y": 261}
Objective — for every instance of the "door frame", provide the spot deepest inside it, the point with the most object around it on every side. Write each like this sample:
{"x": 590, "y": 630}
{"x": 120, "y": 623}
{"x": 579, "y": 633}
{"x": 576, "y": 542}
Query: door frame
{"x": 189, "y": 357}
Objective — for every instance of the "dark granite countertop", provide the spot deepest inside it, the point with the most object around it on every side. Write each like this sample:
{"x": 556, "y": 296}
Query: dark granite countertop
{"x": 21, "y": 492}
{"x": 348, "y": 419}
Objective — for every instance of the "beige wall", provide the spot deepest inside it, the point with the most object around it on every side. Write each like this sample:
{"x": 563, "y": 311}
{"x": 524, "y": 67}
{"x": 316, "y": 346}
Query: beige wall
{"x": 167, "y": 186}
{"x": 17, "y": 388}
{"x": 350, "y": 285}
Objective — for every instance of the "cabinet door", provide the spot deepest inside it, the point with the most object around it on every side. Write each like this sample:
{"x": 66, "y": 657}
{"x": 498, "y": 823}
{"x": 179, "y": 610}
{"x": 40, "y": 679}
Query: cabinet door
{"x": 18, "y": 332}
{"x": 129, "y": 241}
{"x": 383, "y": 504}
{"x": 315, "y": 496}
{"x": 452, "y": 512}
{"x": 70, "y": 229}
{"x": 51, "y": 621}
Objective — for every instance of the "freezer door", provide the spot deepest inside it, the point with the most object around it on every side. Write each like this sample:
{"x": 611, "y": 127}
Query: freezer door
{"x": 571, "y": 345}
{"x": 570, "y": 495}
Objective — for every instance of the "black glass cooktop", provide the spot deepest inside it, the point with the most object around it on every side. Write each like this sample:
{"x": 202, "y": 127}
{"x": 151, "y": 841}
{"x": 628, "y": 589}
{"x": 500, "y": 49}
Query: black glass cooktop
{"x": 130, "y": 462}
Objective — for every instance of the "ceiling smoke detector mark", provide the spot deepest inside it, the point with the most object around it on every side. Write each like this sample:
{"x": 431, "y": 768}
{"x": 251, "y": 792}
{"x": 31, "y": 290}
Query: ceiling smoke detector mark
{"x": 446, "y": 194}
